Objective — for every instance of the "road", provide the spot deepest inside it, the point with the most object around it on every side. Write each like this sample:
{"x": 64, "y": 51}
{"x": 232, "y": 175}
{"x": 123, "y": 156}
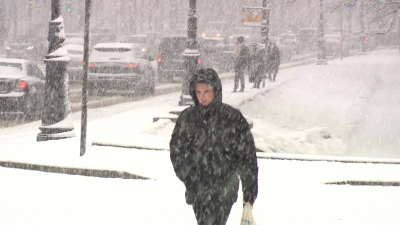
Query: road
{"x": 378, "y": 135}
{"x": 116, "y": 97}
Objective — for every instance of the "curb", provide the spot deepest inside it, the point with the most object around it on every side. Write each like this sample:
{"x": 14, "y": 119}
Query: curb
{"x": 72, "y": 171}
{"x": 329, "y": 159}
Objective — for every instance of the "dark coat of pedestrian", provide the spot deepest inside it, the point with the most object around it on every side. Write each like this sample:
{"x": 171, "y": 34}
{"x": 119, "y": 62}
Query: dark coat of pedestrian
{"x": 258, "y": 65}
{"x": 211, "y": 147}
{"x": 274, "y": 60}
{"x": 241, "y": 58}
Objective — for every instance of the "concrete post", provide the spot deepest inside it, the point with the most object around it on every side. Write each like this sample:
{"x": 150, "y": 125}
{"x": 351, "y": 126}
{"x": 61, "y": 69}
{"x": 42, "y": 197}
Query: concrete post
{"x": 56, "y": 123}
{"x": 191, "y": 55}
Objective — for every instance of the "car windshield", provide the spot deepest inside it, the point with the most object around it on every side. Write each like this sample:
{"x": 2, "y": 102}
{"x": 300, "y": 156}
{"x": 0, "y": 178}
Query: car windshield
{"x": 10, "y": 68}
{"x": 102, "y": 54}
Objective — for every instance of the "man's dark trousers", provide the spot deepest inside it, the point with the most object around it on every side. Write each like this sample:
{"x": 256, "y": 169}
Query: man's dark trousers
{"x": 214, "y": 213}
{"x": 239, "y": 76}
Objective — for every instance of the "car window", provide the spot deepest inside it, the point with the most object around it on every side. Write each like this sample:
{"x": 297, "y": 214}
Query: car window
{"x": 34, "y": 71}
{"x": 75, "y": 52}
{"x": 102, "y": 54}
{"x": 10, "y": 68}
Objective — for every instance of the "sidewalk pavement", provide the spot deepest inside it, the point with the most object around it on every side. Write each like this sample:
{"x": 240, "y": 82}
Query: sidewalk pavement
{"x": 127, "y": 126}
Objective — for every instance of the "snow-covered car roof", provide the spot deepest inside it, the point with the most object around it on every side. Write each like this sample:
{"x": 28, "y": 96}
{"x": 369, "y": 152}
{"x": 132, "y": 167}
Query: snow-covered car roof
{"x": 78, "y": 41}
{"x": 114, "y": 45}
{"x": 21, "y": 61}
{"x": 73, "y": 47}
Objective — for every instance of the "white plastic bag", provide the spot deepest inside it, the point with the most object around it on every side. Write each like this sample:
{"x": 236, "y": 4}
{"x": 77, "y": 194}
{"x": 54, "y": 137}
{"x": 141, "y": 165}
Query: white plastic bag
{"x": 247, "y": 216}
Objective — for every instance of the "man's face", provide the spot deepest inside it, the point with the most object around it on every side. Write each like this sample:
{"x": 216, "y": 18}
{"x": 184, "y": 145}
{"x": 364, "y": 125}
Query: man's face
{"x": 204, "y": 93}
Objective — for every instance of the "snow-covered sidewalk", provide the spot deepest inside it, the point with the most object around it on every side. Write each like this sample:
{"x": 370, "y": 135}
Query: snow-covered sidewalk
{"x": 310, "y": 110}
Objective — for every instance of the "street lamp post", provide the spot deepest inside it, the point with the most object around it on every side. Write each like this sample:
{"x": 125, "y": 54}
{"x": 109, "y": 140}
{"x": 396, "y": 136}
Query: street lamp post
{"x": 190, "y": 55}
{"x": 265, "y": 23}
{"x": 321, "y": 57}
{"x": 363, "y": 35}
{"x": 56, "y": 122}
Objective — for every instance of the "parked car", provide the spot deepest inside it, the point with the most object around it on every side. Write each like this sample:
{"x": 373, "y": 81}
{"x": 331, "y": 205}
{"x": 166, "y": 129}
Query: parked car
{"x": 306, "y": 40}
{"x": 22, "y": 88}
{"x": 28, "y": 47}
{"x": 120, "y": 66}
{"x": 334, "y": 45}
{"x": 170, "y": 58}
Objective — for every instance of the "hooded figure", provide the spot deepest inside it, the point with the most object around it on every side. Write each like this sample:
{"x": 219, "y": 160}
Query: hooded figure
{"x": 274, "y": 60}
{"x": 211, "y": 147}
{"x": 241, "y": 57}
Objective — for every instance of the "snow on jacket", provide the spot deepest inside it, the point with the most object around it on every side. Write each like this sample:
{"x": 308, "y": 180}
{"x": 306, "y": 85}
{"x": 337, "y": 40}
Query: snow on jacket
{"x": 211, "y": 147}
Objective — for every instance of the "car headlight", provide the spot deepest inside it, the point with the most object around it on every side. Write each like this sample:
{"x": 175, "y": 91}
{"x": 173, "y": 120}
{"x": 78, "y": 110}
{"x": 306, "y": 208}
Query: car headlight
{"x": 7, "y": 47}
{"x": 143, "y": 49}
{"x": 30, "y": 47}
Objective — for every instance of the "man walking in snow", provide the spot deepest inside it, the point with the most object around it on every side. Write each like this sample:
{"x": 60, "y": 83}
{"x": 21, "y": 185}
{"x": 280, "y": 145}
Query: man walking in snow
{"x": 211, "y": 146}
{"x": 241, "y": 55}
{"x": 274, "y": 60}
{"x": 258, "y": 65}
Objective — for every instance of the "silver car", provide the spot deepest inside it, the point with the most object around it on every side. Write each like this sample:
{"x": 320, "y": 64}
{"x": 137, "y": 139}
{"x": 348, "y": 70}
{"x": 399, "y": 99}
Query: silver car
{"x": 22, "y": 88}
{"x": 120, "y": 66}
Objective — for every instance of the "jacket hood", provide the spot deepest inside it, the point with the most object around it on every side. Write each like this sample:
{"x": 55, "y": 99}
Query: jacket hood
{"x": 208, "y": 76}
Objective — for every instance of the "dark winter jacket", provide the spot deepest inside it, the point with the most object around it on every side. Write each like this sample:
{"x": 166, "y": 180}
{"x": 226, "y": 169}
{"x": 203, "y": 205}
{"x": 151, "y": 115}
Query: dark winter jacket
{"x": 211, "y": 146}
{"x": 258, "y": 64}
{"x": 274, "y": 59}
{"x": 241, "y": 57}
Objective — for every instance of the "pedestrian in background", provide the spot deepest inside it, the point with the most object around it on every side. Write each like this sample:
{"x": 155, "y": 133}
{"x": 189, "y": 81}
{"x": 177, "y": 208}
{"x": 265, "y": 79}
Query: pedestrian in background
{"x": 251, "y": 63}
{"x": 211, "y": 146}
{"x": 274, "y": 60}
{"x": 241, "y": 55}
{"x": 258, "y": 64}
